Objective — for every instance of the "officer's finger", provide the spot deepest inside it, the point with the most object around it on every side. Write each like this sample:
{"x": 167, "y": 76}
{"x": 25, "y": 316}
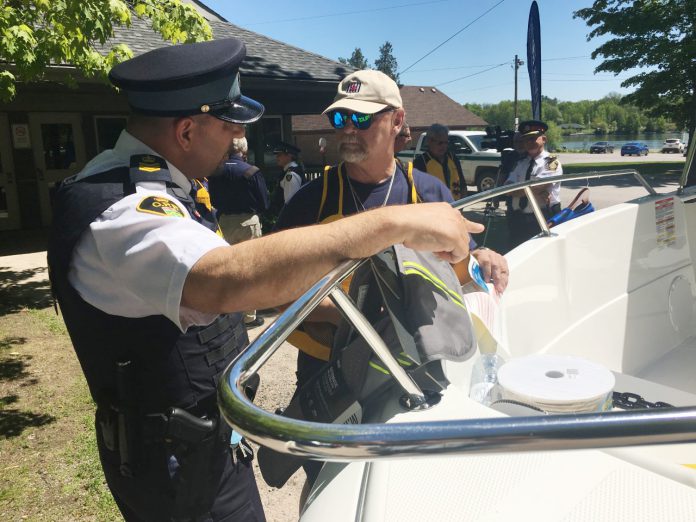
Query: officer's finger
{"x": 500, "y": 276}
{"x": 484, "y": 260}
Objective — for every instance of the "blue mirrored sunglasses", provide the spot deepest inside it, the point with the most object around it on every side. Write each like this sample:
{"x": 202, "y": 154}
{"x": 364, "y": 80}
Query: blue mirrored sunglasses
{"x": 339, "y": 118}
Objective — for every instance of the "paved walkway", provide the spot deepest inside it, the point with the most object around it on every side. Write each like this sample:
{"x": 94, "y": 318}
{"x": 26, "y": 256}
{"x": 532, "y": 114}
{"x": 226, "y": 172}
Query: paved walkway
{"x": 21, "y": 273}
{"x": 33, "y": 266}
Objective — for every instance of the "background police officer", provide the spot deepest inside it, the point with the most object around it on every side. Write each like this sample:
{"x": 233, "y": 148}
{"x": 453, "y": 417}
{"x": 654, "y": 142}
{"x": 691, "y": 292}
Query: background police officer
{"x": 292, "y": 177}
{"x": 238, "y": 192}
{"x": 538, "y": 163}
{"x": 148, "y": 290}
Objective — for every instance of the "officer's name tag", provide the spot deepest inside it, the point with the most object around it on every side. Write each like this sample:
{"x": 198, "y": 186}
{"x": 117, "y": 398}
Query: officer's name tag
{"x": 159, "y": 207}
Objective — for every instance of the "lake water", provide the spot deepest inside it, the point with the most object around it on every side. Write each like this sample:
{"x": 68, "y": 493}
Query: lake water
{"x": 654, "y": 141}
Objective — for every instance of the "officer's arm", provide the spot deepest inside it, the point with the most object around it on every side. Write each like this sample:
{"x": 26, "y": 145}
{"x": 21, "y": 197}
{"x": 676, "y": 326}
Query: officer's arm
{"x": 278, "y": 268}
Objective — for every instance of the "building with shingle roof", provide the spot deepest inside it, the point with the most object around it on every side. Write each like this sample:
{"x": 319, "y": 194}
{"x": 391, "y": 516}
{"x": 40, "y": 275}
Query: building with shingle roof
{"x": 49, "y": 130}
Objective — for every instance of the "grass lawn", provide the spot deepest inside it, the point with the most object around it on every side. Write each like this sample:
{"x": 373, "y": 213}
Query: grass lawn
{"x": 645, "y": 168}
{"x": 48, "y": 455}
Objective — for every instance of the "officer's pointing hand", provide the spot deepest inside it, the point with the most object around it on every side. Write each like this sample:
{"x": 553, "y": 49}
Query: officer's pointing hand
{"x": 439, "y": 228}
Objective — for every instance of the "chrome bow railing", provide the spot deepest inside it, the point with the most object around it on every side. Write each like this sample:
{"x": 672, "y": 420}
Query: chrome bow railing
{"x": 346, "y": 442}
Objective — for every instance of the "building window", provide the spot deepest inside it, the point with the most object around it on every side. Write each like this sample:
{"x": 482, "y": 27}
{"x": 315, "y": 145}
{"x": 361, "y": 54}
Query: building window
{"x": 58, "y": 145}
{"x": 270, "y": 129}
{"x": 108, "y": 129}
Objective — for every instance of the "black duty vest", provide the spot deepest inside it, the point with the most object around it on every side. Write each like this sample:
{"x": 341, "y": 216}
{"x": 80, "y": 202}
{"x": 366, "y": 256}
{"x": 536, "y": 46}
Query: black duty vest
{"x": 171, "y": 368}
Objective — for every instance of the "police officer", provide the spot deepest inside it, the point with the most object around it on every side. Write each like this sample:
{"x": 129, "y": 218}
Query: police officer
{"x": 149, "y": 292}
{"x": 293, "y": 174}
{"x": 538, "y": 163}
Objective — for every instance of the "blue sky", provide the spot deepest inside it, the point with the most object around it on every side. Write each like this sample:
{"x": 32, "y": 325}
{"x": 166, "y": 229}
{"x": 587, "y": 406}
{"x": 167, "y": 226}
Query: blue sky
{"x": 415, "y": 27}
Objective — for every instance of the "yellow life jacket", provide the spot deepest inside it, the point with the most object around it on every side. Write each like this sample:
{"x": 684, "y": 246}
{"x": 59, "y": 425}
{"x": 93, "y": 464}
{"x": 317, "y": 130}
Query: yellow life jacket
{"x": 331, "y": 209}
{"x": 434, "y": 168}
{"x": 202, "y": 197}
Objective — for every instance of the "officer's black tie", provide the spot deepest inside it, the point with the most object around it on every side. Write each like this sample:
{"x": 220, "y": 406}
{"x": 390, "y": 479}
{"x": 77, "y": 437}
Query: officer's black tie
{"x": 528, "y": 174}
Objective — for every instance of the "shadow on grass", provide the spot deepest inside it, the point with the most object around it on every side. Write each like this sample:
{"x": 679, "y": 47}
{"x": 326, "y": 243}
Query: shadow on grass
{"x": 18, "y": 290}
{"x": 13, "y": 421}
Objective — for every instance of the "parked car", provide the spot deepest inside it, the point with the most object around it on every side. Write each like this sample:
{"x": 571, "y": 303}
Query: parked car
{"x": 634, "y": 147}
{"x": 601, "y": 147}
{"x": 673, "y": 145}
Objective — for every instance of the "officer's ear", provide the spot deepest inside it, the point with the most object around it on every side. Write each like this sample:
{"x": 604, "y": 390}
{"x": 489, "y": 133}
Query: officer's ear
{"x": 184, "y": 129}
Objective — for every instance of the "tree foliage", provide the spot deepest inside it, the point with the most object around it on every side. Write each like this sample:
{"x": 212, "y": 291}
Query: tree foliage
{"x": 613, "y": 113}
{"x": 658, "y": 35}
{"x": 35, "y": 34}
{"x": 386, "y": 62}
{"x": 357, "y": 59}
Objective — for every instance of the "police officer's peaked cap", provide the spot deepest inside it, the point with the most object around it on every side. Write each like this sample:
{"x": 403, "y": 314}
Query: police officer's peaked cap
{"x": 188, "y": 79}
{"x": 532, "y": 128}
{"x": 286, "y": 148}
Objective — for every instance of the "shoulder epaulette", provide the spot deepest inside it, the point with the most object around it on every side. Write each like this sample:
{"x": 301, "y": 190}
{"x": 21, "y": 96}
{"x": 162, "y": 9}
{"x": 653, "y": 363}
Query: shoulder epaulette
{"x": 147, "y": 167}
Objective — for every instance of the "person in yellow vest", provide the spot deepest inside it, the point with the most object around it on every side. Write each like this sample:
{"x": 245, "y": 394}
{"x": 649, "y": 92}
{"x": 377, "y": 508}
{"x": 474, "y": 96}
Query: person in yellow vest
{"x": 439, "y": 161}
{"x": 367, "y": 114}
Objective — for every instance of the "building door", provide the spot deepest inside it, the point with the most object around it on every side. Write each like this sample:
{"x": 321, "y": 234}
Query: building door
{"x": 9, "y": 205}
{"x": 59, "y": 152}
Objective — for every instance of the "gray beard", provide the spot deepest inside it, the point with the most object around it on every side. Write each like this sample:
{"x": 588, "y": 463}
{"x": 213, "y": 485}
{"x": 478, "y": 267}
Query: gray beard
{"x": 352, "y": 154}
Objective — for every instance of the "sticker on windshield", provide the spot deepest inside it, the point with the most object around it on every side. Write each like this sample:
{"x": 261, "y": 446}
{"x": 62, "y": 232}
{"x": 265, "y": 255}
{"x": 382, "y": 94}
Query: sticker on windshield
{"x": 664, "y": 222}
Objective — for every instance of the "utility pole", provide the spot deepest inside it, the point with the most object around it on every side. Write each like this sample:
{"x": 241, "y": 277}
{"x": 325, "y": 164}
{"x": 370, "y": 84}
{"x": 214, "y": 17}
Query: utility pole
{"x": 518, "y": 63}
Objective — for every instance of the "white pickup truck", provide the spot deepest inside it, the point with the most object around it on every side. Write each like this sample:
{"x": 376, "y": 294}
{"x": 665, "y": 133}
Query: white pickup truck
{"x": 479, "y": 165}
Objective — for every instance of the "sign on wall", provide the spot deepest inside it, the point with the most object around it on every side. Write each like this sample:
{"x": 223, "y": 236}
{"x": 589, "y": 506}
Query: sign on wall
{"x": 20, "y": 136}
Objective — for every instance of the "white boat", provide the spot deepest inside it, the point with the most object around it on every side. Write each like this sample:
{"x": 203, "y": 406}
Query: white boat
{"x": 615, "y": 287}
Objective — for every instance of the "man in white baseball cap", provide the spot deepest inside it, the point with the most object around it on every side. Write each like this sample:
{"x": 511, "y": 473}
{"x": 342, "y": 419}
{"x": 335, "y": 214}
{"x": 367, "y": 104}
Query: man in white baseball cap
{"x": 367, "y": 114}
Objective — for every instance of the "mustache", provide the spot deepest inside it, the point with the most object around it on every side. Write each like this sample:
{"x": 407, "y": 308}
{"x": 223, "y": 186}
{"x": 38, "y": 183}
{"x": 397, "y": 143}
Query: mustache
{"x": 350, "y": 139}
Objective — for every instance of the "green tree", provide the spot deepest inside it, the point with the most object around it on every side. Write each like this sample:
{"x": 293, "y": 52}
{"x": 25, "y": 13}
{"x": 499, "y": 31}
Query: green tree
{"x": 357, "y": 59}
{"x": 600, "y": 126}
{"x": 386, "y": 61}
{"x": 659, "y": 36}
{"x": 553, "y": 137}
{"x": 656, "y": 125}
{"x": 552, "y": 113}
{"x": 35, "y": 34}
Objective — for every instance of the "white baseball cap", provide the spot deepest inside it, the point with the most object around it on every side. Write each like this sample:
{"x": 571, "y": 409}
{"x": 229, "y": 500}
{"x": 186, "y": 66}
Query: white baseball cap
{"x": 366, "y": 91}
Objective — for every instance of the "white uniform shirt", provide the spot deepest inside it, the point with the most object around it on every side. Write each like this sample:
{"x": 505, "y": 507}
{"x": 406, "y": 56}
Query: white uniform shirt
{"x": 133, "y": 263}
{"x": 291, "y": 181}
{"x": 541, "y": 169}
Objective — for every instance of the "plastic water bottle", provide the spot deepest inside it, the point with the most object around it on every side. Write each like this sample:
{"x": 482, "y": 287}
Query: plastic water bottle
{"x": 484, "y": 378}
